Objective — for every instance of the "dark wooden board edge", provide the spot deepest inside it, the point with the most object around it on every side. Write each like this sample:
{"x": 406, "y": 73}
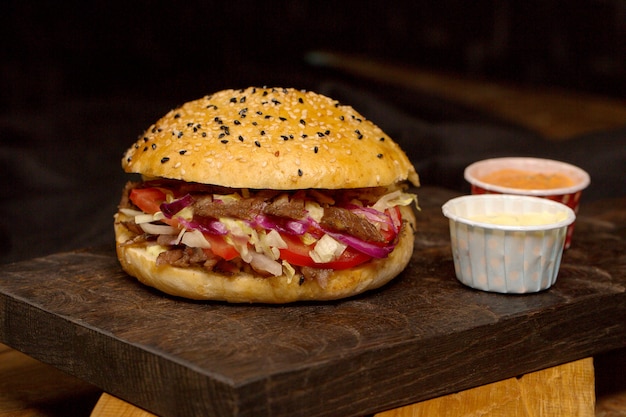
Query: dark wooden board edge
{"x": 72, "y": 347}
{"x": 371, "y": 381}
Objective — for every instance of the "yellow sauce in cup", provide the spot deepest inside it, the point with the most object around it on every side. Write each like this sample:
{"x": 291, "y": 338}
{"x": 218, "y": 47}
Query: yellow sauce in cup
{"x": 527, "y": 180}
{"x": 525, "y": 219}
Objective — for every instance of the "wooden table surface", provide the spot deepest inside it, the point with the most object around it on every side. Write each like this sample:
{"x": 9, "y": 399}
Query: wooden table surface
{"x": 31, "y": 388}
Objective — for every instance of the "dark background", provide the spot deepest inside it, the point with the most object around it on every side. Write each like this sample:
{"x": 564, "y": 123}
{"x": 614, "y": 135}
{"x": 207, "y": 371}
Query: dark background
{"x": 54, "y": 49}
{"x": 80, "y": 80}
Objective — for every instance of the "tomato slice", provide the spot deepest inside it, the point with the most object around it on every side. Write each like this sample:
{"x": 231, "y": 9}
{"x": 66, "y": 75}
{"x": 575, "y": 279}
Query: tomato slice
{"x": 297, "y": 253}
{"x": 220, "y": 247}
{"x": 147, "y": 199}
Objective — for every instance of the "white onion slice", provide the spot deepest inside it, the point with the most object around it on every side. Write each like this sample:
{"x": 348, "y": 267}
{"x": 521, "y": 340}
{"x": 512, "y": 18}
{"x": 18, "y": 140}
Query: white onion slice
{"x": 195, "y": 239}
{"x": 144, "y": 218}
{"x": 327, "y": 249}
{"x": 158, "y": 229}
{"x": 264, "y": 263}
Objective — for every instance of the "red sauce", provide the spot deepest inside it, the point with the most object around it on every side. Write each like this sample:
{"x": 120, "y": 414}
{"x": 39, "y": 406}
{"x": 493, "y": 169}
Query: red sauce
{"x": 527, "y": 180}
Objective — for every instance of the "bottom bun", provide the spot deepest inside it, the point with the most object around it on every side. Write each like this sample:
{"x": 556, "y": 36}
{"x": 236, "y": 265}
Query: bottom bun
{"x": 200, "y": 284}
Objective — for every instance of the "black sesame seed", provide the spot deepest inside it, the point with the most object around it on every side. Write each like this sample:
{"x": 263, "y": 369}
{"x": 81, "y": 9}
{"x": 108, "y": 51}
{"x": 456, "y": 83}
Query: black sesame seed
{"x": 225, "y": 129}
{"x": 145, "y": 139}
{"x": 358, "y": 134}
{"x": 182, "y": 152}
{"x": 379, "y": 156}
{"x": 275, "y": 101}
{"x": 259, "y": 112}
{"x": 240, "y": 138}
{"x": 242, "y": 99}
{"x": 164, "y": 159}
{"x": 254, "y": 123}
{"x": 237, "y": 122}
{"x": 320, "y": 134}
{"x": 221, "y": 135}
{"x": 316, "y": 149}
{"x": 189, "y": 124}
{"x": 342, "y": 118}
{"x": 211, "y": 106}
{"x": 264, "y": 93}
{"x": 300, "y": 100}
{"x": 302, "y": 122}
{"x": 282, "y": 119}
{"x": 224, "y": 141}
{"x": 180, "y": 135}
{"x": 257, "y": 143}
{"x": 218, "y": 120}
{"x": 233, "y": 100}
{"x": 300, "y": 173}
{"x": 262, "y": 132}
{"x": 285, "y": 137}
{"x": 177, "y": 115}
{"x": 136, "y": 146}
{"x": 382, "y": 139}
{"x": 154, "y": 146}
{"x": 154, "y": 129}
{"x": 145, "y": 148}
{"x": 327, "y": 132}
{"x": 301, "y": 280}
{"x": 204, "y": 134}
{"x": 304, "y": 135}
{"x": 268, "y": 117}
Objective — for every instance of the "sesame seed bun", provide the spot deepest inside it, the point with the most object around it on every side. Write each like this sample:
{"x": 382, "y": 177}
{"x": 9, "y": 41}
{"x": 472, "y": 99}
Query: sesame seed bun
{"x": 260, "y": 139}
{"x": 242, "y": 287}
{"x": 277, "y": 138}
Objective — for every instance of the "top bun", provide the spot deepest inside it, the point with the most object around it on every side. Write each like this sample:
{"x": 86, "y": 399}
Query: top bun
{"x": 269, "y": 138}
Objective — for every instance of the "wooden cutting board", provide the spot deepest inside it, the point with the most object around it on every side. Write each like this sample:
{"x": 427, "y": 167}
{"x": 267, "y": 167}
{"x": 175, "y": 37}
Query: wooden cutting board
{"x": 422, "y": 336}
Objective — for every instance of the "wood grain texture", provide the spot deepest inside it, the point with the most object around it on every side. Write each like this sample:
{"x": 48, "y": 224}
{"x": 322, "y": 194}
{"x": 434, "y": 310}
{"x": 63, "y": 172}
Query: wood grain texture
{"x": 109, "y": 406}
{"x": 423, "y": 336}
{"x": 564, "y": 390}
{"x": 29, "y": 388}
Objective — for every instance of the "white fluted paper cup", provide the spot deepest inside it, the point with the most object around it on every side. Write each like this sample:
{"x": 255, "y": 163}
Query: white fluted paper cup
{"x": 507, "y": 243}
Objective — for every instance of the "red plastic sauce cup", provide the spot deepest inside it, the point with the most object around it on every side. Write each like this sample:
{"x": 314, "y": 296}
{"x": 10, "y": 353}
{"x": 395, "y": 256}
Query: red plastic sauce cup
{"x": 570, "y": 195}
